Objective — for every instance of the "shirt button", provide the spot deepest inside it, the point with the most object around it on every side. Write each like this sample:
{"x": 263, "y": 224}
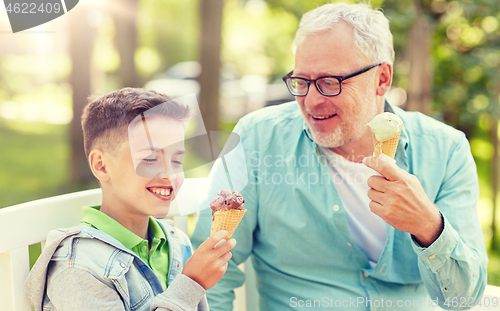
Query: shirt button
{"x": 122, "y": 265}
{"x": 178, "y": 266}
{"x": 432, "y": 257}
{"x": 365, "y": 274}
{"x": 144, "y": 268}
{"x": 336, "y": 208}
{"x": 349, "y": 243}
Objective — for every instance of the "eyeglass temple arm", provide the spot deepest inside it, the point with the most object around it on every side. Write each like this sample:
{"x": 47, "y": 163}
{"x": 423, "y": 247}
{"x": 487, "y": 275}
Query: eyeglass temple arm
{"x": 288, "y": 75}
{"x": 360, "y": 71}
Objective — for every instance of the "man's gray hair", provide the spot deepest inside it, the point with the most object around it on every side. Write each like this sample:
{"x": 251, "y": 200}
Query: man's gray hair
{"x": 372, "y": 35}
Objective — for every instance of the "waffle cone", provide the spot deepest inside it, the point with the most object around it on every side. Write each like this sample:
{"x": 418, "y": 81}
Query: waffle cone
{"x": 227, "y": 220}
{"x": 387, "y": 147}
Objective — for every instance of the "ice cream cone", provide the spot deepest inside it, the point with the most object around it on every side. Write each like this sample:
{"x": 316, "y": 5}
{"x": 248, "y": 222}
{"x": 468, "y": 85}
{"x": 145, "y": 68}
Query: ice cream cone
{"x": 227, "y": 220}
{"x": 387, "y": 147}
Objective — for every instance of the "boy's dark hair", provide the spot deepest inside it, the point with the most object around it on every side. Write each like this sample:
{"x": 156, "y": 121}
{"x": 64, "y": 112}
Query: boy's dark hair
{"x": 105, "y": 119}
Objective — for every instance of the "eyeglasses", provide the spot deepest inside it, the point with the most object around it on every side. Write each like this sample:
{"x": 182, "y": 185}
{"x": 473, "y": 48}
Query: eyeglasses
{"x": 327, "y": 85}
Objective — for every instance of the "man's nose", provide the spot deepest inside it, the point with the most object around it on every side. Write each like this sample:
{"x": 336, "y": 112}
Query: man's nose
{"x": 313, "y": 97}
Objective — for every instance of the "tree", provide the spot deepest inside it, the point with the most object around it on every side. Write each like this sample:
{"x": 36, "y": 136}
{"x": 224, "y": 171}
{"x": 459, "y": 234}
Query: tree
{"x": 419, "y": 55}
{"x": 81, "y": 46}
{"x": 210, "y": 46}
{"x": 125, "y": 18}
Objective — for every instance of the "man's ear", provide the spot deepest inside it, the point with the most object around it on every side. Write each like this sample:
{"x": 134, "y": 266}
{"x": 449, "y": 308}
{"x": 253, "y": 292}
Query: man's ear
{"x": 98, "y": 165}
{"x": 384, "y": 79}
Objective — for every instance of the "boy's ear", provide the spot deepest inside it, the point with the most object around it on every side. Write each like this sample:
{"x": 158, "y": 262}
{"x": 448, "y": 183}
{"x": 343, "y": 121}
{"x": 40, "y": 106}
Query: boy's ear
{"x": 98, "y": 165}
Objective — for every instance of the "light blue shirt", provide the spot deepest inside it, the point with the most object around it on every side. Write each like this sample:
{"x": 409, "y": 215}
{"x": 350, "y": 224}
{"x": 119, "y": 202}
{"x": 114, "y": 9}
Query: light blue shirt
{"x": 303, "y": 254}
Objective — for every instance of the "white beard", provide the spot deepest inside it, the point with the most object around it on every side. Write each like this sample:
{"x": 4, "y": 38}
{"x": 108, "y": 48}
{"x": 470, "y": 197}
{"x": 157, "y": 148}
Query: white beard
{"x": 347, "y": 132}
{"x": 329, "y": 140}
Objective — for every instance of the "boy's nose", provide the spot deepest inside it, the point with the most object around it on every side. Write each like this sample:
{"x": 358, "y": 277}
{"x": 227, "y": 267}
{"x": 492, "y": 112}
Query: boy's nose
{"x": 164, "y": 174}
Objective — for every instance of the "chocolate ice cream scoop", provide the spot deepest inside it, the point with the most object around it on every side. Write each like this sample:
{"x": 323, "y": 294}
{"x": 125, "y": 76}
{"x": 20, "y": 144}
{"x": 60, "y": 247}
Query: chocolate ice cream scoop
{"x": 227, "y": 200}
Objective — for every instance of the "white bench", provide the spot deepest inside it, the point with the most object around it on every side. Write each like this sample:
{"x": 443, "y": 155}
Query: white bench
{"x": 28, "y": 223}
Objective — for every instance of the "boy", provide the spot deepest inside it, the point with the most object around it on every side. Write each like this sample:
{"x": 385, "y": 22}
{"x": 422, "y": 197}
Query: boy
{"x": 120, "y": 257}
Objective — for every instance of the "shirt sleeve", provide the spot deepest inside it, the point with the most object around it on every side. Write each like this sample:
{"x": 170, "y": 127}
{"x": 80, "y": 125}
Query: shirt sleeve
{"x": 454, "y": 266}
{"x": 77, "y": 289}
{"x": 184, "y": 294}
{"x": 221, "y": 296}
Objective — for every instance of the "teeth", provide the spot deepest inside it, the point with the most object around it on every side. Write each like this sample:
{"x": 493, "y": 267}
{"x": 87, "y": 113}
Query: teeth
{"x": 322, "y": 117}
{"x": 161, "y": 191}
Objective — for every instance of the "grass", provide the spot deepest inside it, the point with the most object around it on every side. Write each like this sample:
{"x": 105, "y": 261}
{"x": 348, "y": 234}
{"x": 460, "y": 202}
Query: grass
{"x": 35, "y": 163}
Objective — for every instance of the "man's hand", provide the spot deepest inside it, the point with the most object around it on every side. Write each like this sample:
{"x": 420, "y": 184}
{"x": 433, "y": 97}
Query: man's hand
{"x": 209, "y": 263}
{"x": 400, "y": 201}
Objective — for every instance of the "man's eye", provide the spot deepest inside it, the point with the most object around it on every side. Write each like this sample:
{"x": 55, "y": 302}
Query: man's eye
{"x": 330, "y": 82}
{"x": 177, "y": 162}
{"x": 150, "y": 160}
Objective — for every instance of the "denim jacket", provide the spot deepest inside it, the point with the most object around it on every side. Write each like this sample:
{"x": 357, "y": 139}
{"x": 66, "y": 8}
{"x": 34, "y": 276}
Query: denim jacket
{"x": 82, "y": 268}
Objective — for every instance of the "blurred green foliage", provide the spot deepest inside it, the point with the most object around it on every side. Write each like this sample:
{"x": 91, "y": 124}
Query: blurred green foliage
{"x": 168, "y": 34}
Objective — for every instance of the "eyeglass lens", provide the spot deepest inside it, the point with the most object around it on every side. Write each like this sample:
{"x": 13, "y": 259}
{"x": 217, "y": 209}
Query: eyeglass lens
{"x": 327, "y": 86}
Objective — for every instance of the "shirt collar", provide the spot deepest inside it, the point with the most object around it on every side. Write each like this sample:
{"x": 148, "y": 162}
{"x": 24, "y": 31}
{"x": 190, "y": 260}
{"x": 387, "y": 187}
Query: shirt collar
{"x": 307, "y": 130}
{"x": 155, "y": 230}
{"x": 94, "y": 217}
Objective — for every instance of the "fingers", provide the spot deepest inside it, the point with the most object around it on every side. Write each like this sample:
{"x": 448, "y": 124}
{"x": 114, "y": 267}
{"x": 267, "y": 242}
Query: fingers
{"x": 376, "y": 203}
{"x": 222, "y": 262}
{"x": 377, "y": 209}
{"x": 389, "y": 170}
{"x": 375, "y": 196}
{"x": 219, "y": 243}
{"x": 225, "y": 247}
{"x": 213, "y": 240}
{"x": 226, "y": 256}
{"x": 376, "y": 182}
{"x": 219, "y": 235}
{"x": 223, "y": 268}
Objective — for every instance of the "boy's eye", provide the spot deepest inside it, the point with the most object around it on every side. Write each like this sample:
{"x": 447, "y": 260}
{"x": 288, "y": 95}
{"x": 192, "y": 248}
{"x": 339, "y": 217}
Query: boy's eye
{"x": 150, "y": 160}
{"x": 177, "y": 162}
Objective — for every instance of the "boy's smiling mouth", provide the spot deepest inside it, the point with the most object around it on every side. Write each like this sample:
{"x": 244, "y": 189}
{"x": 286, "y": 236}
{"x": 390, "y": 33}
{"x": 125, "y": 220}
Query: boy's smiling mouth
{"x": 164, "y": 193}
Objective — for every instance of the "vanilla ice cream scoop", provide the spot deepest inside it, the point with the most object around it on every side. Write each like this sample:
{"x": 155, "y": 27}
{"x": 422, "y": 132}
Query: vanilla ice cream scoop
{"x": 386, "y": 126}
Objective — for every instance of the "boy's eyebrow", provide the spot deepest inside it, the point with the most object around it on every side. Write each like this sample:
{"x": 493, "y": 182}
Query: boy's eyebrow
{"x": 159, "y": 149}
{"x": 148, "y": 149}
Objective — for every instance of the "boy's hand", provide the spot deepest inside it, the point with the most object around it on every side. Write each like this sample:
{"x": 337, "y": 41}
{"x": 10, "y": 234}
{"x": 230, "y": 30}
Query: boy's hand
{"x": 209, "y": 263}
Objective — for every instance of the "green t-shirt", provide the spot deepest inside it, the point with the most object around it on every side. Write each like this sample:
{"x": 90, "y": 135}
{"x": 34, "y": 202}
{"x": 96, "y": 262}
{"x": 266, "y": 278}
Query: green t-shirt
{"x": 157, "y": 258}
